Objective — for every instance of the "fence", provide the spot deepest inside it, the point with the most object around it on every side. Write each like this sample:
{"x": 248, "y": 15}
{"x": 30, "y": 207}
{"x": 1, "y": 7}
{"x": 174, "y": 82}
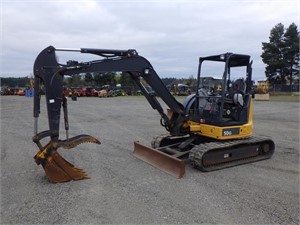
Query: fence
{"x": 284, "y": 88}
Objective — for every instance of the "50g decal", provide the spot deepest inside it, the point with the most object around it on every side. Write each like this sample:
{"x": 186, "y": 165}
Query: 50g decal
{"x": 230, "y": 131}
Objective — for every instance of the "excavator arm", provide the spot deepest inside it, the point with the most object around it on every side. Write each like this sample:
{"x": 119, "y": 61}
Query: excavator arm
{"x": 49, "y": 72}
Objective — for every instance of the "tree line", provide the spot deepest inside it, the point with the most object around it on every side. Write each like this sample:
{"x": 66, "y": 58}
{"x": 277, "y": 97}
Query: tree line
{"x": 14, "y": 82}
{"x": 98, "y": 79}
{"x": 88, "y": 79}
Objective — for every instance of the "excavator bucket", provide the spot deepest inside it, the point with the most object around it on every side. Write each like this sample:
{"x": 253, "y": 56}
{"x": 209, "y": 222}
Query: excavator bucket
{"x": 160, "y": 160}
{"x": 58, "y": 169}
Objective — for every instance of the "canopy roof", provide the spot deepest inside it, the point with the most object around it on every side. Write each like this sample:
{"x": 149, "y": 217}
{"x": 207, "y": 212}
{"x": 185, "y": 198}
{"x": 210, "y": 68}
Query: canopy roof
{"x": 235, "y": 60}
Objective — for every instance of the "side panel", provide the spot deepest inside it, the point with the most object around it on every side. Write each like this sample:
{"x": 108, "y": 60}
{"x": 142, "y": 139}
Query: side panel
{"x": 221, "y": 133}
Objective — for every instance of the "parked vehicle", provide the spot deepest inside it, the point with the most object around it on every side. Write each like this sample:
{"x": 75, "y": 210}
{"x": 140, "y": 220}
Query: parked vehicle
{"x": 20, "y": 92}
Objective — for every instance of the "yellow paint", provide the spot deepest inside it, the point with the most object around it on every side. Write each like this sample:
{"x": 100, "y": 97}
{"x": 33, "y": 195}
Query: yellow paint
{"x": 215, "y": 132}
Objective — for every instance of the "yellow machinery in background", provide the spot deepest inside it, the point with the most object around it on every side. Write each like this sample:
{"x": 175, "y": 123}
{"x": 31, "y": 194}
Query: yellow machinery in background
{"x": 263, "y": 89}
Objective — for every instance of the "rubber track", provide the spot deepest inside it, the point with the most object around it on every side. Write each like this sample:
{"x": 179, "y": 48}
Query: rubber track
{"x": 196, "y": 154}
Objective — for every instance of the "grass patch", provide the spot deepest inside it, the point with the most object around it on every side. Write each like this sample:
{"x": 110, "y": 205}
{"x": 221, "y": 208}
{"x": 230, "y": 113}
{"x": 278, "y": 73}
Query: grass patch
{"x": 285, "y": 98}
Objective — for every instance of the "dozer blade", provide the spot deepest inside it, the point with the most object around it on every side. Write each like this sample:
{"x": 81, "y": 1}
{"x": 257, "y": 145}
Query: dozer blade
{"x": 160, "y": 160}
{"x": 59, "y": 170}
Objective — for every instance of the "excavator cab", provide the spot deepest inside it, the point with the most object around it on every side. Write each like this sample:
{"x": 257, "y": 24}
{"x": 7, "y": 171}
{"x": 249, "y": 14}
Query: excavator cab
{"x": 228, "y": 104}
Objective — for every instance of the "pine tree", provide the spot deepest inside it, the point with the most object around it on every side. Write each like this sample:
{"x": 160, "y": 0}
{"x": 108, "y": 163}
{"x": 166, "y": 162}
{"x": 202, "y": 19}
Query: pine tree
{"x": 281, "y": 54}
{"x": 291, "y": 53}
{"x": 272, "y": 55}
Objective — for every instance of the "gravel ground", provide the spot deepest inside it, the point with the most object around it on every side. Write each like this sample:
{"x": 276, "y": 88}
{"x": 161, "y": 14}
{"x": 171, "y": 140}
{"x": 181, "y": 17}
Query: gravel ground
{"x": 123, "y": 189}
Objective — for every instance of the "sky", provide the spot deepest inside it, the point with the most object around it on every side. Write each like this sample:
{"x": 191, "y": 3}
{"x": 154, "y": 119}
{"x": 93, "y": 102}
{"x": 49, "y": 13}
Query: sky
{"x": 172, "y": 35}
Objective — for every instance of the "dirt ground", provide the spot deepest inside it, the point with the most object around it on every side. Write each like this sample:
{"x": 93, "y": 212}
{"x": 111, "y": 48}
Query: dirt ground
{"x": 124, "y": 189}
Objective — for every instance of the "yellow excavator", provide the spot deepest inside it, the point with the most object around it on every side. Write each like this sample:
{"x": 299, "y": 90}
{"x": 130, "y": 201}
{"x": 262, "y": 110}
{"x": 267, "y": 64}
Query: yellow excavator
{"x": 210, "y": 130}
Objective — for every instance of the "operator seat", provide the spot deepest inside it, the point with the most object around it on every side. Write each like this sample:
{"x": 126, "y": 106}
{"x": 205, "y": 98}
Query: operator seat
{"x": 236, "y": 92}
{"x": 239, "y": 91}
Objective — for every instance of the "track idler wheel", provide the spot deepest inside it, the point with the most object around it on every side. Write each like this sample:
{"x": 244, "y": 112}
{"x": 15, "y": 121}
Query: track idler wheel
{"x": 58, "y": 169}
